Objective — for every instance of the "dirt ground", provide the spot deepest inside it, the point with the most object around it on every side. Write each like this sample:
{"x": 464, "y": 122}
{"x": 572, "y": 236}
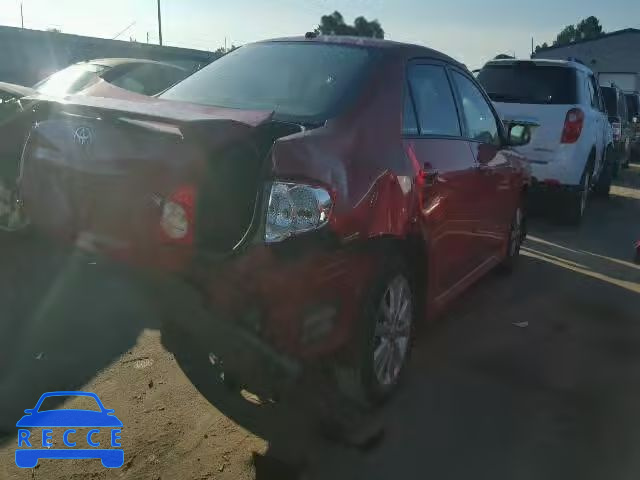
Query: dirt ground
{"x": 532, "y": 376}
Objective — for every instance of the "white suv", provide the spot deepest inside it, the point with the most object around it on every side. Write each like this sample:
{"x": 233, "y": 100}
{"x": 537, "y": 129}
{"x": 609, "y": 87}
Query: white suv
{"x": 571, "y": 138}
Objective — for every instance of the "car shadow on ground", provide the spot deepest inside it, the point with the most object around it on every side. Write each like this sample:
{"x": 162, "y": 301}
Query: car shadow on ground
{"x": 64, "y": 317}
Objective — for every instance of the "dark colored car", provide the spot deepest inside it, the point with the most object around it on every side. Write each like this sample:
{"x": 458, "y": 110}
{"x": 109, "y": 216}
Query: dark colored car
{"x": 320, "y": 206}
{"x": 145, "y": 77}
{"x": 633, "y": 109}
{"x": 616, "y": 104}
{"x": 108, "y": 77}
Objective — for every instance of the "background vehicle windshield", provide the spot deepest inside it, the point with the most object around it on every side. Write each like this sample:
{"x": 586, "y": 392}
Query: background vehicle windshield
{"x": 70, "y": 80}
{"x": 633, "y": 105}
{"x": 303, "y": 81}
{"x": 610, "y": 100}
{"x": 529, "y": 83}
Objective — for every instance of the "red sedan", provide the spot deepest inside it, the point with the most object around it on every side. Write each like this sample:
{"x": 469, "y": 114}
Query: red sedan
{"x": 323, "y": 194}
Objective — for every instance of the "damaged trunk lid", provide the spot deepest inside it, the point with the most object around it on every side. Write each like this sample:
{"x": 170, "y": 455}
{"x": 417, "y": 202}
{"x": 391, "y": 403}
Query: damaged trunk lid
{"x": 103, "y": 173}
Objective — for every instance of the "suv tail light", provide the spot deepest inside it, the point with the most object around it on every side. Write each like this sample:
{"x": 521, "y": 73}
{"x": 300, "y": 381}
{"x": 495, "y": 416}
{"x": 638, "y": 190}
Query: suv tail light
{"x": 617, "y": 130}
{"x": 176, "y": 222}
{"x": 295, "y": 208}
{"x": 572, "y": 126}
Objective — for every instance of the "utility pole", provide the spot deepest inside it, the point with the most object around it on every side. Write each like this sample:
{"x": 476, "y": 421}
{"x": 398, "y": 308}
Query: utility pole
{"x": 531, "y": 45}
{"x": 147, "y": 37}
{"x": 159, "y": 23}
{"x": 21, "y": 15}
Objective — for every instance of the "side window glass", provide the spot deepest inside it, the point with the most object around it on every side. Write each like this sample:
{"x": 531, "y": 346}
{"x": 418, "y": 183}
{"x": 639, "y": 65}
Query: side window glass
{"x": 433, "y": 99}
{"x": 596, "y": 93}
{"x": 481, "y": 122}
{"x": 590, "y": 92}
{"x": 409, "y": 123}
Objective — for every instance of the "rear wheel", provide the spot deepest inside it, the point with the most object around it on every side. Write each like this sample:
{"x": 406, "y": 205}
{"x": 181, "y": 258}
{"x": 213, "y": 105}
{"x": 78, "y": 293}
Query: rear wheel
{"x": 576, "y": 202}
{"x": 384, "y": 340}
{"x": 517, "y": 233}
{"x": 603, "y": 186}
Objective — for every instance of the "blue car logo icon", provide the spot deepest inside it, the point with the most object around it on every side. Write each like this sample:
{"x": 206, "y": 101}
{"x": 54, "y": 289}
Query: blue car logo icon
{"x": 69, "y": 419}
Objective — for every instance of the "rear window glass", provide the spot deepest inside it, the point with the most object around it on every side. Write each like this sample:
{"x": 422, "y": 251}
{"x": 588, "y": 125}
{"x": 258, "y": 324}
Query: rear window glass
{"x": 610, "y": 100}
{"x": 529, "y": 83}
{"x": 70, "y": 80}
{"x": 297, "y": 80}
{"x": 145, "y": 78}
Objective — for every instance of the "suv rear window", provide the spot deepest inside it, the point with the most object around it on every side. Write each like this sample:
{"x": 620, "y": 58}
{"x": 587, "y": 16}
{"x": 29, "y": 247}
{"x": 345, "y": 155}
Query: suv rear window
{"x": 526, "y": 82}
{"x": 610, "y": 100}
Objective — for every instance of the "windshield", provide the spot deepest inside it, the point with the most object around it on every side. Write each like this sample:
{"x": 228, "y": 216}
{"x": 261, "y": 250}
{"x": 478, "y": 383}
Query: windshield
{"x": 633, "y": 104}
{"x": 70, "y": 80}
{"x": 528, "y": 83}
{"x": 303, "y": 81}
{"x": 610, "y": 100}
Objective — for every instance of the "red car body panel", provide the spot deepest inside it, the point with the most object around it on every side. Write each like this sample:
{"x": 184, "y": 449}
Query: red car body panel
{"x": 455, "y": 196}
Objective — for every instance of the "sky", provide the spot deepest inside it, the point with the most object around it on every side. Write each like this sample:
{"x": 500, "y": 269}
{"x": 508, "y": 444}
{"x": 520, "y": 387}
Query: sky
{"x": 472, "y": 31}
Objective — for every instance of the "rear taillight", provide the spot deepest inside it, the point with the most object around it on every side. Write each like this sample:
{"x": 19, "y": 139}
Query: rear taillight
{"x": 617, "y": 130}
{"x": 177, "y": 220}
{"x": 294, "y": 209}
{"x": 573, "y": 124}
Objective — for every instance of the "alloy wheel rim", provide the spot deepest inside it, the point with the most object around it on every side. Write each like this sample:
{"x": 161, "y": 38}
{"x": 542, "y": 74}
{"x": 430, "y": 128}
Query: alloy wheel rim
{"x": 392, "y": 331}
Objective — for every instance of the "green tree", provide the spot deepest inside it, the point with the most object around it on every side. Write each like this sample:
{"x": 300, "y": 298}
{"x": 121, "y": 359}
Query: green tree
{"x": 589, "y": 28}
{"x": 585, "y": 29}
{"x": 544, "y": 45}
{"x": 222, "y": 51}
{"x": 334, "y": 24}
{"x": 568, "y": 35}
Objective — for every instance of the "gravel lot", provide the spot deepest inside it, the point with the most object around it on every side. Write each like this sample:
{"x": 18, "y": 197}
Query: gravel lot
{"x": 555, "y": 396}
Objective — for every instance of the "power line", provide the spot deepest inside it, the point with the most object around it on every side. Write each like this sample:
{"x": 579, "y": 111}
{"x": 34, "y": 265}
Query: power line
{"x": 128, "y": 27}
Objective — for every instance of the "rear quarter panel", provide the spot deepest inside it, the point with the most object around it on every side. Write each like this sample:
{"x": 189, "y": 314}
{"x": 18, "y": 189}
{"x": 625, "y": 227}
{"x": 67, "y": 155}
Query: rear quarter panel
{"x": 359, "y": 156}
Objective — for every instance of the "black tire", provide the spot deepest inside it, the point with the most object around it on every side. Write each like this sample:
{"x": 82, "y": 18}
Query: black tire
{"x": 517, "y": 234}
{"x": 575, "y": 203}
{"x": 603, "y": 186}
{"x": 359, "y": 381}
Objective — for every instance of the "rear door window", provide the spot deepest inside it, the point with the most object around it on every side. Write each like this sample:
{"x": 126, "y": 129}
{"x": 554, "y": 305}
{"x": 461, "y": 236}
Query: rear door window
{"x": 481, "y": 123}
{"x": 433, "y": 99}
{"x": 526, "y": 82}
{"x": 409, "y": 121}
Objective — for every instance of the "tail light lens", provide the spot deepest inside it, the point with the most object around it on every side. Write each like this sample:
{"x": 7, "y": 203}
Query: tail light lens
{"x": 573, "y": 124}
{"x": 617, "y": 130}
{"x": 295, "y": 208}
{"x": 176, "y": 222}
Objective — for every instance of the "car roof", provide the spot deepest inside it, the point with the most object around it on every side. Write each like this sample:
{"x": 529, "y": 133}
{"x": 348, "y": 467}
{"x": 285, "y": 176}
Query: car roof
{"x": 405, "y": 49}
{"x": 115, "y": 62}
{"x": 540, "y": 62}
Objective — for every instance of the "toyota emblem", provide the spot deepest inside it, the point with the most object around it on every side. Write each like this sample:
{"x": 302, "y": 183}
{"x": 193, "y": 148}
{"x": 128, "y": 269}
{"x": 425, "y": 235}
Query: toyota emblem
{"x": 83, "y": 136}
